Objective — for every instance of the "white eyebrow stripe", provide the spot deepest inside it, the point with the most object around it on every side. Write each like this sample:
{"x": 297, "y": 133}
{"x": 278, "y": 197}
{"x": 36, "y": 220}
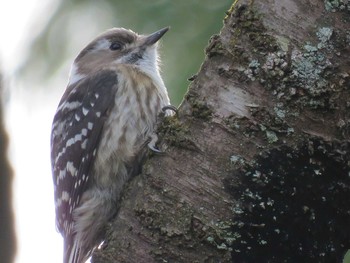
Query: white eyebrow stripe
{"x": 102, "y": 44}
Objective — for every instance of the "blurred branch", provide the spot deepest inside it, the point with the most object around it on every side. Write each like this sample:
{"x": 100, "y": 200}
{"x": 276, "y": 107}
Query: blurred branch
{"x": 7, "y": 233}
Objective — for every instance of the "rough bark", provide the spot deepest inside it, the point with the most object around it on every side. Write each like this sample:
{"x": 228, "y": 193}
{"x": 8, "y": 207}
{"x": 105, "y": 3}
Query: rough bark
{"x": 7, "y": 233}
{"x": 256, "y": 165}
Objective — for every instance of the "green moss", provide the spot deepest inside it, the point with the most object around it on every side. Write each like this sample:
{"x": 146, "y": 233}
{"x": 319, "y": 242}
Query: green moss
{"x": 173, "y": 131}
{"x": 234, "y": 124}
{"x": 230, "y": 11}
{"x": 248, "y": 25}
{"x": 199, "y": 108}
{"x": 215, "y": 47}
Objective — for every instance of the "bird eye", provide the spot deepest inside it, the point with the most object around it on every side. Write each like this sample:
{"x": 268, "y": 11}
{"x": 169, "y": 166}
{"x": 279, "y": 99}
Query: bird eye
{"x": 115, "y": 46}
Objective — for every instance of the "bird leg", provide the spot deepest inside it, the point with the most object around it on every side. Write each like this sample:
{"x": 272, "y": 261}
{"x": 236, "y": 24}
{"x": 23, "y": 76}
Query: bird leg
{"x": 153, "y": 138}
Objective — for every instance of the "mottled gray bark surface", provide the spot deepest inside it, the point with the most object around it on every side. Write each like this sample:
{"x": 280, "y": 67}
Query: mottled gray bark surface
{"x": 256, "y": 165}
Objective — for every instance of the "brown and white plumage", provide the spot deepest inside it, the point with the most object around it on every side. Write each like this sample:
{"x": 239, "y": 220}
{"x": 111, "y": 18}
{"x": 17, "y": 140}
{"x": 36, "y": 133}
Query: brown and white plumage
{"x": 104, "y": 118}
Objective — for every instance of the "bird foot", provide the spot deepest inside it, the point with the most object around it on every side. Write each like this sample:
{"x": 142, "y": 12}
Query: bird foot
{"x": 153, "y": 138}
{"x": 152, "y": 143}
{"x": 169, "y": 107}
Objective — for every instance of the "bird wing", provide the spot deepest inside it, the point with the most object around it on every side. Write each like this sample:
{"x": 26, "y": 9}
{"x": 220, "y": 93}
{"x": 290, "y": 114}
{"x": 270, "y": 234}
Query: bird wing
{"x": 76, "y": 131}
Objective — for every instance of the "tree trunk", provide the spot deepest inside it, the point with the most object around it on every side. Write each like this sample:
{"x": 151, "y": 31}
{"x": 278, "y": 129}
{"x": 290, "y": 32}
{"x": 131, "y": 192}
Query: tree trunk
{"x": 256, "y": 165}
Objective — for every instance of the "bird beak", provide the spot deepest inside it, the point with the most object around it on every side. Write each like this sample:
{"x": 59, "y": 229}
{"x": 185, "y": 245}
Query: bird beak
{"x": 153, "y": 38}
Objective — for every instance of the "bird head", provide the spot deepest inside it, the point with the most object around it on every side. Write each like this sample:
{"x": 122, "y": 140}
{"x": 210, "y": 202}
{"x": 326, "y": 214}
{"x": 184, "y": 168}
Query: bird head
{"x": 118, "y": 46}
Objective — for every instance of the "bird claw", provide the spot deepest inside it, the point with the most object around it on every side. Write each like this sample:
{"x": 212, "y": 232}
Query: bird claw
{"x": 152, "y": 143}
{"x": 154, "y": 138}
{"x": 169, "y": 107}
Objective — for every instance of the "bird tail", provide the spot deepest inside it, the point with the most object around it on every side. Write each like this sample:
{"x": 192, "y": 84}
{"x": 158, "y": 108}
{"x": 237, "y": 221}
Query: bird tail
{"x": 74, "y": 253}
{"x": 71, "y": 251}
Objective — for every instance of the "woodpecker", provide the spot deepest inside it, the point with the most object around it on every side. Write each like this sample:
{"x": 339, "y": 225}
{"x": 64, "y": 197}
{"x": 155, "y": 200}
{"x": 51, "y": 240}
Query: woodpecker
{"x": 106, "y": 116}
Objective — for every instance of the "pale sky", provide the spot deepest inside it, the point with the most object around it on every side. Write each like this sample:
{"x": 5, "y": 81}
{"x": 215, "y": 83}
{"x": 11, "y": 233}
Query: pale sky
{"x": 29, "y": 112}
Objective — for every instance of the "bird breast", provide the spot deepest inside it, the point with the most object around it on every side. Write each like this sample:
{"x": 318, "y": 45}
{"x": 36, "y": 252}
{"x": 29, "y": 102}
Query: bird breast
{"x": 138, "y": 101}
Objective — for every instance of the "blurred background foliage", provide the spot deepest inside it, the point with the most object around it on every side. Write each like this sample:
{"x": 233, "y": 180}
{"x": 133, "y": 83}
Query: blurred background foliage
{"x": 75, "y": 23}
